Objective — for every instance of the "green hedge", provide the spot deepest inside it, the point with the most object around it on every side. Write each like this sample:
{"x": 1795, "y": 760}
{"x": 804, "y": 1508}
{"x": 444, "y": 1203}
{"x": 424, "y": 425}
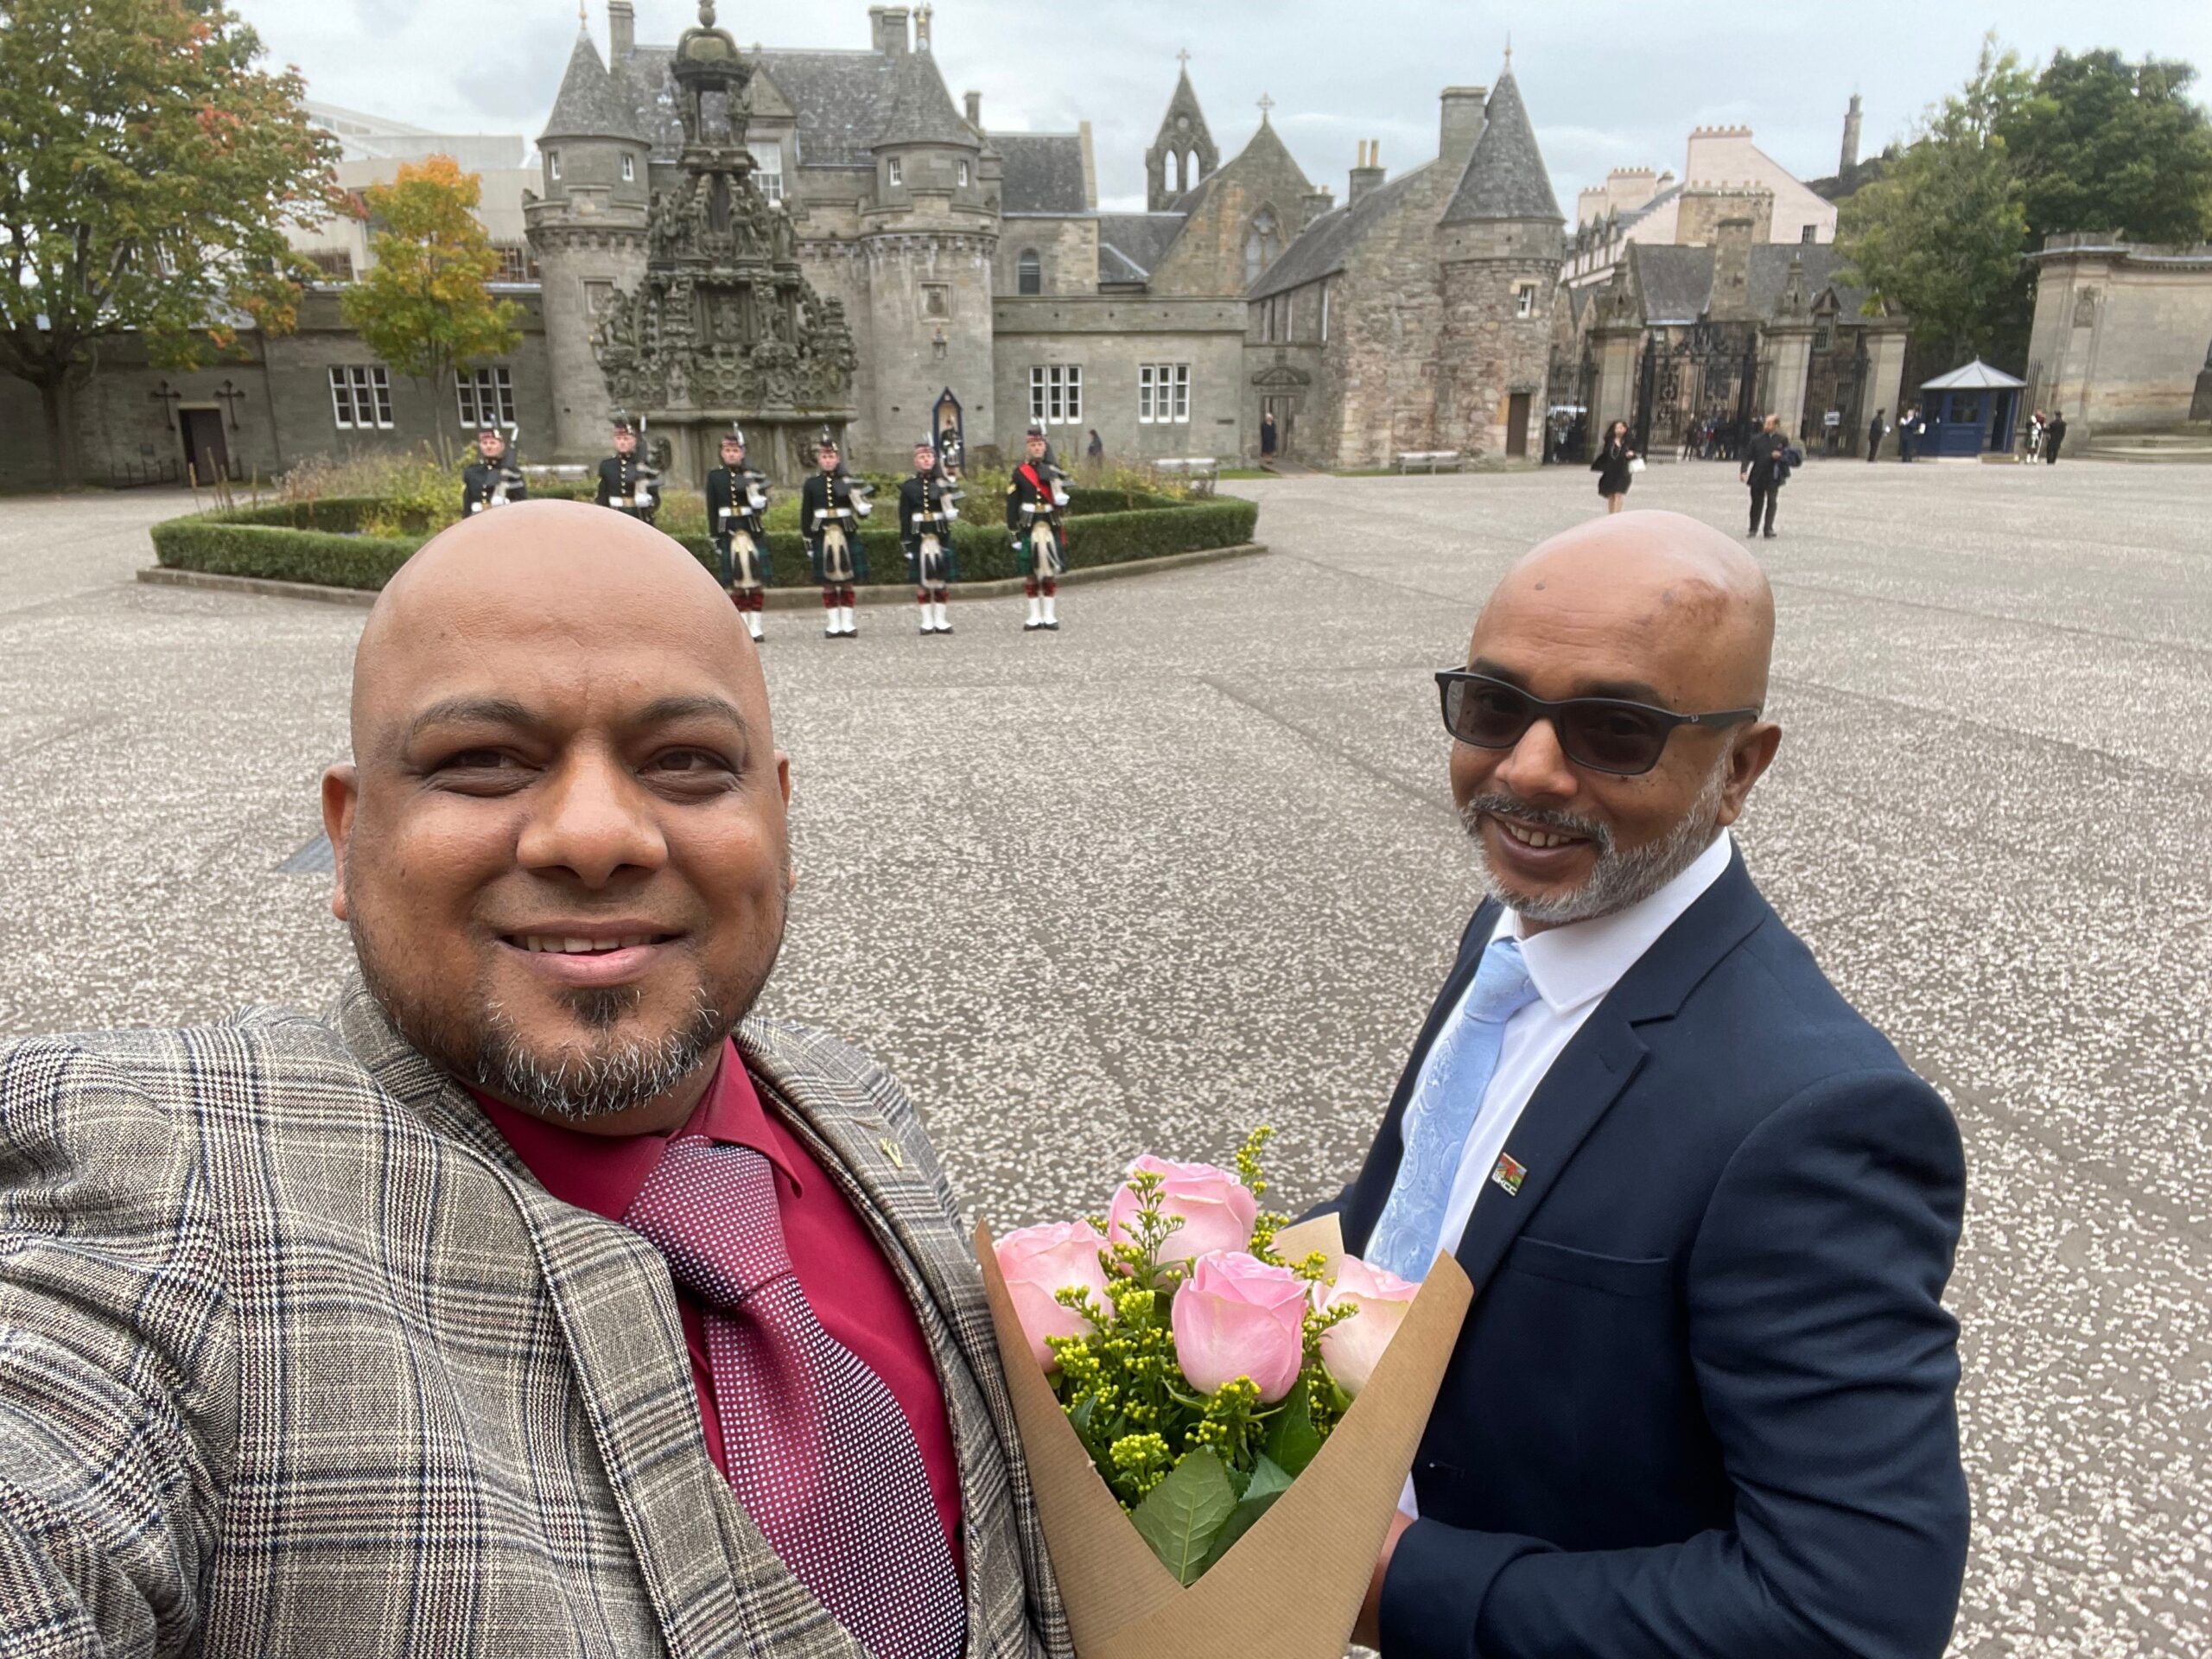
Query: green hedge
{"x": 308, "y": 542}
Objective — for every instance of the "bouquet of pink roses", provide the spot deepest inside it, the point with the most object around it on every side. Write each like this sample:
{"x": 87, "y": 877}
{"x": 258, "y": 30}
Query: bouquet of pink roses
{"x": 1218, "y": 1411}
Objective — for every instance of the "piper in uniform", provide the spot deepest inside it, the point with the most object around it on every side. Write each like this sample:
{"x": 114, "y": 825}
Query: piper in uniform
{"x": 832, "y": 505}
{"x": 492, "y": 479}
{"x": 626, "y": 482}
{"x": 929, "y": 505}
{"x": 1034, "y": 505}
{"x": 736, "y": 497}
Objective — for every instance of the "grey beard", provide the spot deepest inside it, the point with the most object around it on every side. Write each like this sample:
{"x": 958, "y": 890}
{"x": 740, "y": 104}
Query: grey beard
{"x": 602, "y": 1081}
{"x": 1619, "y": 879}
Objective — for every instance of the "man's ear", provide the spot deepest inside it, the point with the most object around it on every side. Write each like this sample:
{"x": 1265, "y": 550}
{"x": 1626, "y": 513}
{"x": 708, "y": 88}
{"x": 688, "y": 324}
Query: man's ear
{"x": 341, "y": 795}
{"x": 1748, "y": 760}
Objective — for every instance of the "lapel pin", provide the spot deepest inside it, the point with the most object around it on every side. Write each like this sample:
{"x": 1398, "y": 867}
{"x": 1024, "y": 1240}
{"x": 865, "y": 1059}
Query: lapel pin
{"x": 891, "y": 1151}
{"x": 1509, "y": 1174}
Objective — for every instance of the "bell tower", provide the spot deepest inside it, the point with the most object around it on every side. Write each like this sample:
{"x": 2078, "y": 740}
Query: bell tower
{"x": 1184, "y": 153}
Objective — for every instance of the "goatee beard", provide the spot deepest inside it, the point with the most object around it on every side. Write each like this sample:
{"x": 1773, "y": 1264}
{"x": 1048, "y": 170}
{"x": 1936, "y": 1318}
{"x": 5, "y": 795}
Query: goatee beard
{"x": 1617, "y": 879}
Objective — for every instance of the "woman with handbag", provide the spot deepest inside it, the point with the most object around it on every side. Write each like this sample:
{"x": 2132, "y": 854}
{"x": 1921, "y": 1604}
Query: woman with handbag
{"x": 1616, "y": 464}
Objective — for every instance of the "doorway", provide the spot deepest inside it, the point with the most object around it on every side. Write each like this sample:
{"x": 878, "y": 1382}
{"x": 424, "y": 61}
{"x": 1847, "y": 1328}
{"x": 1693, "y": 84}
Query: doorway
{"x": 205, "y": 452}
{"x": 1285, "y": 410}
{"x": 1516, "y": 426}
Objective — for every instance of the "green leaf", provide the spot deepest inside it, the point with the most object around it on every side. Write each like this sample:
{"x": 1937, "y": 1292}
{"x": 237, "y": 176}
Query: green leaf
{"x": 1292, "y": 1439}
{"x": 1269, "y": 1481}
{"x": 1185, "y": 1514}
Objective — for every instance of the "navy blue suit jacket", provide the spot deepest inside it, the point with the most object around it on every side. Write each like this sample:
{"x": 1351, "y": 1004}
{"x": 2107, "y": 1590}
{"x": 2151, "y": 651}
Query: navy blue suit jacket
{"x": 1702, "y": 1406}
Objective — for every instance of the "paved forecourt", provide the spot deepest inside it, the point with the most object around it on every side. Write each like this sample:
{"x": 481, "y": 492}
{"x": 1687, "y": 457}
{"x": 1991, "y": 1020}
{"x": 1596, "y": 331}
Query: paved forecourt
{"x": 1190, "y": 864}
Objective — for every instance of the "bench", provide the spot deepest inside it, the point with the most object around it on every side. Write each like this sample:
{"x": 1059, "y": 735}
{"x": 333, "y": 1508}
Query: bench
{"x": 1203, "y": 471}
{"x": 1428, "y": 460}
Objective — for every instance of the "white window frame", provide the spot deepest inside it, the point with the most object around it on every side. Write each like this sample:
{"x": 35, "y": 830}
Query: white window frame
{"x": 894, "y": 174}
{"x": 360, "y": 397}
{"x": 1056, "y": 393}
{"x": 1325, "y": 310}
{"x": 553, "y": 165}
{"x": 629, "y": 168}
{"x": 963, "y": 175}
{"x": 486, "y": 397}
{"x": 768, "y": 173}
{"x": 1524, "y": 299}
{"x": 1163, "y": 394}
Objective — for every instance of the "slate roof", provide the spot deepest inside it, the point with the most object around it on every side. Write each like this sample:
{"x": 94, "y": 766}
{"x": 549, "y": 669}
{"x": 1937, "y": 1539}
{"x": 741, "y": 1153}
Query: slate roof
{"x": 839, "y": 100}
{"x": 1044, "y": 171}
{"x": 919, "y": 109}
{"x": 1137, "y": 240}
{"x": 1770, "y": 270}
{"x": 1505, "y": 176}
{"x": 1115, "y": 266}
{"x": 1678, "y": 282}
{"x": 592, "y": 103}
{"x": 1322, "y": 247}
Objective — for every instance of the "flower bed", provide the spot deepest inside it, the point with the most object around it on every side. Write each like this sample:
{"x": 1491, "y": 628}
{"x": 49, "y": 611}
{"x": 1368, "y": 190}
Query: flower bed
{"x": 324, "y": 540}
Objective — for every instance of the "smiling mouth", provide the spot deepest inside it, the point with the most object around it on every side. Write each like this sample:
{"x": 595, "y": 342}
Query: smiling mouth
{"x": 1538, "y": 840}
{"x": 557, "y": 944}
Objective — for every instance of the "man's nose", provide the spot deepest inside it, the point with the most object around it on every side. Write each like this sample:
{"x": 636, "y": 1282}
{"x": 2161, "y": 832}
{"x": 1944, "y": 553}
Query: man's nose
{"x": 1536, "y": 768}
{"x": 592, "y": 821}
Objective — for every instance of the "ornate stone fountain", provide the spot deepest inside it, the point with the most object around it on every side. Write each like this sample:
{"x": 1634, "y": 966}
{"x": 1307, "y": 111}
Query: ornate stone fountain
{"x": 724, "y": 326}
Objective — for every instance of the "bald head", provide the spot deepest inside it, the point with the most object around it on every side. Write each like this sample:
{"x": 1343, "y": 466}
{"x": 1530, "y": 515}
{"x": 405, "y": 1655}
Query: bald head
{"x": 562, "y": 846}
{"x": 1664, "y": 591}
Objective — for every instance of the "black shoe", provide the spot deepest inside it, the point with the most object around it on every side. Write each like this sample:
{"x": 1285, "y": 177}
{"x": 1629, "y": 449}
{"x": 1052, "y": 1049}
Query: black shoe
{"x": 1769, "y": 535}
{"x": 1031, "y": 627}
{"x": 1051, "y": 627}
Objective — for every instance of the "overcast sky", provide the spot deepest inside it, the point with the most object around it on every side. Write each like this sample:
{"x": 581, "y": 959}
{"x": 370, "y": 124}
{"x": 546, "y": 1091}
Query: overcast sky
{"x": 1608, "y": 84}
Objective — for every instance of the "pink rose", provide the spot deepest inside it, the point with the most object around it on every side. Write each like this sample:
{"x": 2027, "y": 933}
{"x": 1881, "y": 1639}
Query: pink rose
{"x": 1351, "y": 1349}
{"x": 1041, "y": 1262}
{"x": 1236, "y": 1316}
{"x": 1217, "y": 1211}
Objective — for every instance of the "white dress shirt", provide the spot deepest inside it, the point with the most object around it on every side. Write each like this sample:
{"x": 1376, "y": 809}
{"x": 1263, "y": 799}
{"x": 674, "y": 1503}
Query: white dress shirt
{"x": 1572, "y": 967}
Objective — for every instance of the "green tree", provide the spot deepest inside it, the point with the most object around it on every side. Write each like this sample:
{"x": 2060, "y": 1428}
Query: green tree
{"x": 1940, "y": 236}
{"x": 2107, "y": 145}
{"x": 425, "y": 304}
{"x": 147, "y": 174}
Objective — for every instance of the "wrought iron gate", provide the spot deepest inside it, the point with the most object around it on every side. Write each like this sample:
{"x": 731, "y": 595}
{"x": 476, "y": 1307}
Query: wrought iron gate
{"x": 1572, "y": 380}
{"x": 1697, "y": 388}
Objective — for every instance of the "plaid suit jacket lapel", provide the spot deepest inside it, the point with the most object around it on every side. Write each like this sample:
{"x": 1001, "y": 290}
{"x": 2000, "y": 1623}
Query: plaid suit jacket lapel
{"x": 626, "y": 1341}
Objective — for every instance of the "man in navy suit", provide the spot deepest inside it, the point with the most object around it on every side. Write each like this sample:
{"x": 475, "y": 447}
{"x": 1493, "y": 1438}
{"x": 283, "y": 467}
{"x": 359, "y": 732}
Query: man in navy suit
{"x": 1703, "y": 1405}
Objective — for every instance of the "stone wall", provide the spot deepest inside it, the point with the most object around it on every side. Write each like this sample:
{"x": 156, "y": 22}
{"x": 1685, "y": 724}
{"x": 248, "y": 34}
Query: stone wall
{"x": 915, "y": 352}
{"x": 1110, "y": 336}
{"x": 2120, "y": 333}
{"x": 579, "y": 267}
{"x": 1376, "y": 394}
{"x": 1067, "y": 252}
{"x": 1487, "y": 355}
{"x": 1208, "y": 257}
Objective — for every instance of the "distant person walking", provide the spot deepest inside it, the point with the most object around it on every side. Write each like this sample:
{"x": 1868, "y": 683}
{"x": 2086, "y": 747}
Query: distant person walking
{"x": 2054, "y": 434}
{"x": 1907, "y": 424}
{"x": 1096, "y": 452}
{"x": 2036, "y": 424}
{"x": 1267, "y": 433}
{"x": 1614, "y": 465}
{"x": 1765, "y": 468}
{"x": 1875, "y": 428}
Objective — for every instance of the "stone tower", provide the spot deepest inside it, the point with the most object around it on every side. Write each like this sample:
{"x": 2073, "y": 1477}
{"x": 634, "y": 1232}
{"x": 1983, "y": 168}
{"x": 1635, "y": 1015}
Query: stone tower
{"x": 588, "y": 232}
{"x": 1850, "y": 159}
{"x": 1183, "y": 154}
{"x": 1498, "y": 247}
{"x": 722, "y": 325}
{"x": 928, "y": 238}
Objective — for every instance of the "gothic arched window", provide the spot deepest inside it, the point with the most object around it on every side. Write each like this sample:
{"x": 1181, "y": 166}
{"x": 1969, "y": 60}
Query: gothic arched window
{"x": 1174, "y": 172}
{"x": 1261, "y": 245}
{"x": 1029, "y": 273}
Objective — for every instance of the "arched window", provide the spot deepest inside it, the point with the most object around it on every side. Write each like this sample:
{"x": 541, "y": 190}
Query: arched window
{"x": 1261, "y": 245}
{"x": 1174, "y": 172}
{"x": 1029, "y": 273}
{"x": 1190, "y": 170}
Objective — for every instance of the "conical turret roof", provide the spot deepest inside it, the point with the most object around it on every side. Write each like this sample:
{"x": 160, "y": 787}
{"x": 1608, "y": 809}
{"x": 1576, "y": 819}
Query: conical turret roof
{"x": 1505, "y": 176}
{"x": 591, "y": 104}
{"x": 919, "y": 110}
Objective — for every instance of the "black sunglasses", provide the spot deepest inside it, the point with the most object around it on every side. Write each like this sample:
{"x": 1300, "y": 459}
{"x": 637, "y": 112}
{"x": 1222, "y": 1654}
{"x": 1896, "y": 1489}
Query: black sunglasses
{"x": 1602, "y": 733}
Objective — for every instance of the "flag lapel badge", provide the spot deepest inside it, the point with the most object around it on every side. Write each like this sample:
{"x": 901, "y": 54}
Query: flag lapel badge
{"x": 1509, "y": 1174}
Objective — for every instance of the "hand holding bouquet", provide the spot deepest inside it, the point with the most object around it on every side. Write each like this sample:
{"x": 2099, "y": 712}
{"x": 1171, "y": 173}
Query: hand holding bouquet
{"x": 1203, "y": 1391}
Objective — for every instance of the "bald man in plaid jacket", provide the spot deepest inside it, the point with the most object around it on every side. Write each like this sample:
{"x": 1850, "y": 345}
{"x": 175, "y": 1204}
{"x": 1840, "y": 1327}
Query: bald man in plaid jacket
{"x": 299, "y": 1352}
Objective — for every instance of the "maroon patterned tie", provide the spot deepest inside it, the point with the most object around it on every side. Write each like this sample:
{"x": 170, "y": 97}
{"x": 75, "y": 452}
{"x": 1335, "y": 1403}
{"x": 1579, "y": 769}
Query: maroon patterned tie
{"x": 817, "y": 1449}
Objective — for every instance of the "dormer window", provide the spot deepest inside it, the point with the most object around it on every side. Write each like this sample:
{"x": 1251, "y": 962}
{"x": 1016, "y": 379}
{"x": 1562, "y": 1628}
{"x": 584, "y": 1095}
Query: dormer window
{"x": 892, "y": 176}
{"x": 553, "y": 165}
{"x": 629, "y": 168}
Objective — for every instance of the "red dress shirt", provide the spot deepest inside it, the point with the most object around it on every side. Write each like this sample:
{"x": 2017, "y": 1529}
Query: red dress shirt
{"x": 852, "y": 1289}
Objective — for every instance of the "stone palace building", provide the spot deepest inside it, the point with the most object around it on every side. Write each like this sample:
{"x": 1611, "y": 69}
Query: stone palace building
{"x": 979, "y": 284}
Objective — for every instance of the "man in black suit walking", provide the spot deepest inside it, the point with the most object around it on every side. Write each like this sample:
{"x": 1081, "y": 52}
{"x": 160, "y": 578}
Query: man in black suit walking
{"x": 1765, "y": 468}
{"x": 1703, "y": 1404}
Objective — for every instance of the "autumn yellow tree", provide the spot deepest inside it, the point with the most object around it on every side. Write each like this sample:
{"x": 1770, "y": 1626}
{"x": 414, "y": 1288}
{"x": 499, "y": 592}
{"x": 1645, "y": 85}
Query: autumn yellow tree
{"x": 425, "y": 304}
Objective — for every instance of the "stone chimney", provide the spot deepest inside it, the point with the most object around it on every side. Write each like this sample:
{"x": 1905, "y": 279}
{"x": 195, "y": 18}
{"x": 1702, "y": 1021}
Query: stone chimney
{"x": 1461, "y": 123}
{"x": 887, "y": 28}
{"x": 1731, "y": 300}
{"x": 1367, "y": 174}
{"x": 1314, "y": 203}
{"x": 621, "y": 31}
{"x": 1850, "y": 158}
{"x": 974, "y": 102}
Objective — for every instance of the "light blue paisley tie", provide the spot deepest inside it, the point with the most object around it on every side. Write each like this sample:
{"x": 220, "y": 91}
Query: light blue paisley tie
{"x": 1446, "y": 1098}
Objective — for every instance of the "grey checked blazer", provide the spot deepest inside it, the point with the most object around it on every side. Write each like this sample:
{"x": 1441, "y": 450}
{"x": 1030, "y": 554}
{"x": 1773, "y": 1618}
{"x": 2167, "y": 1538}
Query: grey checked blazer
{"x": 297, "y": 1358}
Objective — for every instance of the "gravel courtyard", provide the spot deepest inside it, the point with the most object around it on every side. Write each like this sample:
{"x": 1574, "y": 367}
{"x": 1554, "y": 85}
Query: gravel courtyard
{"x": 1190, "y": 864}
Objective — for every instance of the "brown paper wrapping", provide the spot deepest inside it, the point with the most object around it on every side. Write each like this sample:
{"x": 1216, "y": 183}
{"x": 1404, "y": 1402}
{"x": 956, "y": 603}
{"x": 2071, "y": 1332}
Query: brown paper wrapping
{"x": 1292, "y": 1586}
